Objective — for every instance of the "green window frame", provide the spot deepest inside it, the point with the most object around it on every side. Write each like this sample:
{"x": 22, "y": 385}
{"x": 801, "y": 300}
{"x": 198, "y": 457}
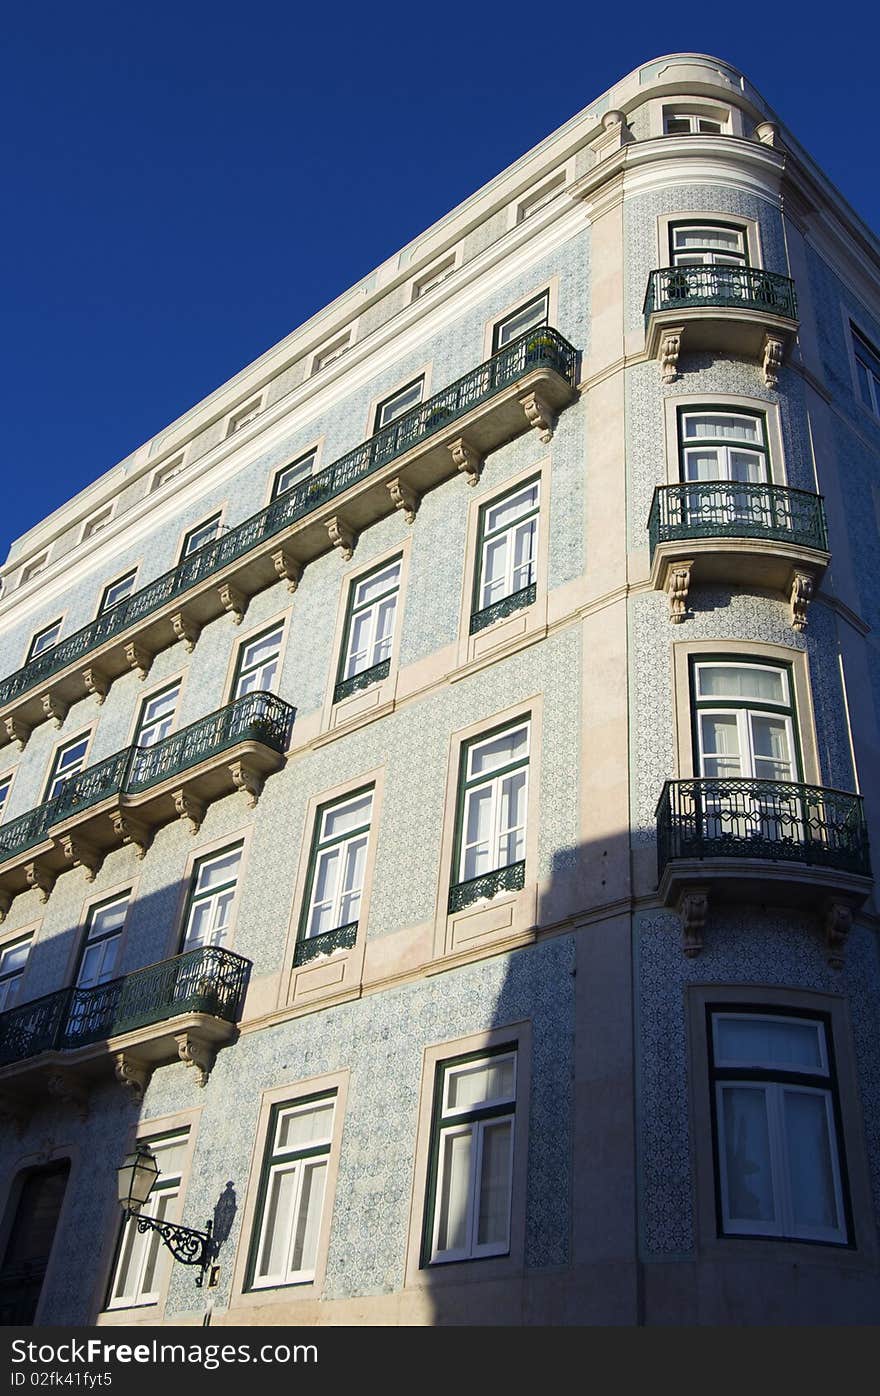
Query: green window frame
{"x": 510, "y": 548}
{"x": 867, "y": 361}
{"x": 43, "y": 640}
{"x": 262, "y": 669}
{"x": 200, "y": 535}
{"x": 336, "y": 875}
{"x": 743, "y": 709}
{"x": 67, "y": 761}
{"x": 469, "y": 1196}
{"x": 491, "y": 815}
{"x": 368, "y": 633}
{"x": 141, "y": 1261}
{"x": 291, "y": 1211}
{"x": 13, "y": 963}
{"x": 726, "y": 446}
{"x": 210, "y": 904}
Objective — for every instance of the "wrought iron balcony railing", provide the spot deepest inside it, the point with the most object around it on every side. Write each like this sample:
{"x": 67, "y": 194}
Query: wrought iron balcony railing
{"x": 507, "y": 606}
{"x": 259, "y": 717}
{"x": 734, "y": 288}
{"x": 365, "y": 679}
{"x": 509, "y": 879}
{"x": 768, "y": 819}
{"x": 543, "y": 348}
{"x": 208, "y": 980}
{"x": 734, "y": 509}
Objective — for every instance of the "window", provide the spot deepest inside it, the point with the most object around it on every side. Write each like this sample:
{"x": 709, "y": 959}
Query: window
{"x": 5, "y": 787}
{"x": 211, "y": 899}
{"x": 44, "y": 640}
{"x": 34, "y": 568}
{"x": 707, "y": 244}
{"x": 328, "y": 355}
{"x": 292, "y": 1191}
{"x": 744, "y": 720}
{"x": 257, "y": 666}
{"x": 157, "y": 716}
{"x": 539, "y": 198}
{"x": 778, "y": 1165}
{"x": 471, "y": 1170}
{"x": 66, "y": 762}
{"x": 492, "y": 811}
{"x": 433, "y": 277}
{"x": 722, "y": 445}
{"x": 200, "y": 536}
{"x": 369, "y": 629}
{"x": 97, "y": 522}
{"x": 142, "y": 1261}
{"x": 114, "y": 592}
{"x": 529, "y": 317}
{"x": 244, "y": 415}
{"x": 400, "y": 402}
{"x": 290, "y": 475}
{"x": 507, "y": 544}
{"x": 336, "y": 876}
{"x": 98, "y": 958}
{"x": 40, "y": 1196}
{"x": 867, "y": 372}
{"x": 13, "y": 958}
{"x": 166, "y": 473}
{"x": 684, "y": 123}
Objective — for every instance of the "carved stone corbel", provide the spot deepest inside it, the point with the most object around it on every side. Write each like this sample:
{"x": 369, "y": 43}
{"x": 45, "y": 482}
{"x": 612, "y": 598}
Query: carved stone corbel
{"x": 774, "y": 348}
{"x": 670, "y": 348}
{"x": 803, "y": 584}
{"x": 13, "y": 1112}
{"x": 201, "y": 1055}
{"x": 54, "y": 708}
{"x": 186, "y": 629}
{"x": 767, "y": 132}
{"x": 288, "y": 569}
{"x": 539, "y": 415}
{"x": 246, "y": 778}
{"x": 131, "y": 831}
{"x": 837, "y": 922}
{"x": 233, "y": 600}
{"x": 82, "y": 854}
{"x": 5, "y": 904}
{"x": 17, "y": 731}
{"x": 96, "y": 681}
{"x": 40, "y": 878}
{"x": 138, "y": 659}
{"x": 693, "y": 908}
{"x": 64, "y": 1086}
{"x": 467, "y": 459}
{"x": 404, "y": 497}
{"x": 132, "y": 1074}
{"x": 189, "y": 808}
{"x": 678, "y": 582}
{"x": 341, "y": 536}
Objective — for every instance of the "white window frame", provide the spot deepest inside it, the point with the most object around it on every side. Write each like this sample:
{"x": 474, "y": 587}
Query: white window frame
{"x": 53, "y": 629}
{"x": 161, "y": 1204}
{"x": 493, "y": 779}
{"x": 187, "y": 548}
{"x": 381, "y": 420}
{"x": 10, "y": 980}
{"x": 706, "y": 255}
{"x": 434, "y": 276}
{"x": 694, "y": 115}
{"x": 345, "y": 843}
{"x": 33, "y": 569}
{"x": 304, "y": 465}
{"x": 744, "y": 710}
{"x": 57, "y": 774}
{"x": 5, "y": 788}
{"x": 722, "y": 445}
{"x": 212, "y": 897}
{"x": 487, "y": 538}
{"x": 370, "y": 610}
{"x": 105, "y": 604}
{"x": 866, "y": 366}
{"x": 243, "y": 670}
{"x": 330, "y": 352}
{"x": 121, "y": 900}
{"x": 98, "y": 520}
{"x": 500, "y": 326}
{"x": 145, "y": 734}
{"x": 537, "y": 198}
{"x": 278, "y": 1160}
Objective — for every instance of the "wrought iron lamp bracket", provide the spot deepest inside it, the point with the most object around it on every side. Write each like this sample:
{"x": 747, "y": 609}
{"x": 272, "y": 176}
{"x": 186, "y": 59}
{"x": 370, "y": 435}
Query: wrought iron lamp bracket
{"x": 187, "y": 1245}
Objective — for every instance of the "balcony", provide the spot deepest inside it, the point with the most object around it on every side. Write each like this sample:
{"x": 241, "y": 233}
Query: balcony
{"x": 762, "y": 841}
{"x": 525, "y": 385}
{"x": 723, "y": 309}
{"x": 752, "y": 535}
{"x": 125, "y": 798}
{"x": 184, "y": 1008}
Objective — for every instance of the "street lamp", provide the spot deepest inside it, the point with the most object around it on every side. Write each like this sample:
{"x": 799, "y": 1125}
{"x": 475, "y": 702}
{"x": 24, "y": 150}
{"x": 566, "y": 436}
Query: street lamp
{"x": 136, "y": 1176}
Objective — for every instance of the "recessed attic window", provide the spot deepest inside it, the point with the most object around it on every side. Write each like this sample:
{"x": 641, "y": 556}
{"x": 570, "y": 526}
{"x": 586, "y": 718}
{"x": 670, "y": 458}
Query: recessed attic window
{"x": 166, "y": 473}
{"x": 696, "y": 121}
{"x": 97, "y": 522}
{"x": 244, "y": 415}
{"x": 539, "y": 197}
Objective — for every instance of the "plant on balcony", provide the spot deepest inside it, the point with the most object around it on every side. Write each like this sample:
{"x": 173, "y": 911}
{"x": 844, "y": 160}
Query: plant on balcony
{"x": 437, "y": 415}
{"x": 538, "y": 343}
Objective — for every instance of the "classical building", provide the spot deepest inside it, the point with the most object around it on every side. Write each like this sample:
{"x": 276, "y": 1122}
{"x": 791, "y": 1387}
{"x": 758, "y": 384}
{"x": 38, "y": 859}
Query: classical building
{"x": 439, "y": 770}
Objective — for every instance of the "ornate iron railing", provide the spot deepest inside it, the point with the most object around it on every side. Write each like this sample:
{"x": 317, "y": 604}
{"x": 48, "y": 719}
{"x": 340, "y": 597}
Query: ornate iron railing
{"x": 505, "y": 607}
{"x": 340, "y": 938}
{"x": 509, "y": 879}
{"x": 257, "y": 717}
{"x": 365, "y": 679}
{"x": 208, "y": 980}
{"x": 733, "y": 509}
{"x": 741, "y": 288}
{"x": 778, "y": 820}
{"x": 543, "y": 348}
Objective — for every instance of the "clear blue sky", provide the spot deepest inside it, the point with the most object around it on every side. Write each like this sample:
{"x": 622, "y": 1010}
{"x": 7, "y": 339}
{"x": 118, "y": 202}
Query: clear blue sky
{"x": 185, "y": 183}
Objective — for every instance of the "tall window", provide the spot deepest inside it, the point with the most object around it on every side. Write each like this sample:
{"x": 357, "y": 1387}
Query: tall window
{"x": 157, "y": 716}
{"x": 369, "y": 629}
{"x": 492, "y": 803}
{"x": 779, "y": 1170}
{"x": 114, "y": 592}
{"x": 531, "y": 316}
{"x": 336, "y": 874}
{"x": 66, "y": 762}
{"x": 404, "y": 400}
{"x": 200, "y": 536}
{"x": 13, "y": 958}
{"x": 507, "y": 542}
{"x": 292, "y": 1192}
{"x": 290, "y": 475}
{"x": 5, "y": 787}
{"x": 44, "y": 640}
{"x": 867, "y": 372}
{"x": 142, "y": 1261}
{"x": 257, "y": 666}
{"x": 100, "y": 951}
{"x": 212, "y": 899}
{"x": 471, "y": 1168}
{"x": 744, "y": 720}
{"x": 40, "y": 1196}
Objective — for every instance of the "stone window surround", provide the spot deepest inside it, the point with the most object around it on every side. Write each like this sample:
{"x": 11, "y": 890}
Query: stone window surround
{"x": 316, "y": 445}
{"x": 804, "y": 712}
{"x": 307, "y": 983}
{"x": 96, "y": 899}
{"x": 531, "y": 619}
{"x": 749, "y": 226}
{"x": 283, "y": 1095}
{"x": 728, "y": 113}
{"x": 253, "y": 404}
{"x": 101, "y": 517}
{"x": 550, "y": 288}
{"x": 853, "y": 1160}
{"x": 146, "y": 1315}
{"x": 455, "y": 1272}
{"x": 508, "y": 913}
{"x": 710, "y": 401}
{"x": 536, "y": 188}
{"x": 242, "y": 834}
{"x": 449, "y": 261}
{"x": 131, "y": 571}
{"x": 34, "y": 568}
{"x": 424, "y": 372}
{"x": 157, "y": 686}
{"x": 170, "y": 469}
{"x": 327, "y": 350}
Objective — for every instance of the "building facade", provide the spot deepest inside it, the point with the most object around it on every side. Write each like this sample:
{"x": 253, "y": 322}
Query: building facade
{"x": 439, "y": 772}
